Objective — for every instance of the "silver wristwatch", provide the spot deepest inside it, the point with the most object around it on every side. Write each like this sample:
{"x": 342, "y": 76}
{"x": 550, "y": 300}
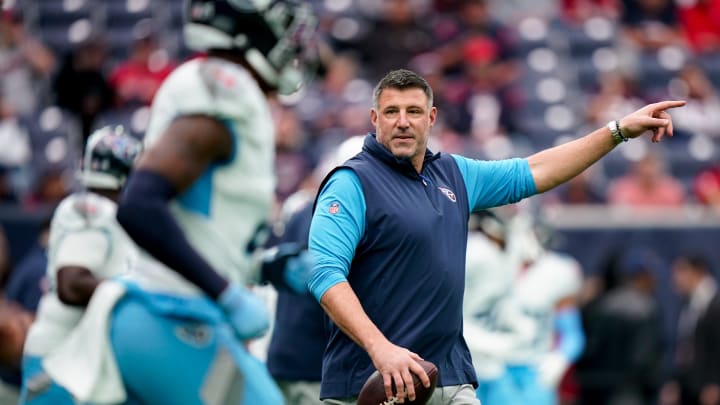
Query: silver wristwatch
{"x": 616, "y": 132}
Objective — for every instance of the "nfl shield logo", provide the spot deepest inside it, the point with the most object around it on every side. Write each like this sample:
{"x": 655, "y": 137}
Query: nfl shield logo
{"x": 448, "y": 193}
{"x": 334, "y": 208}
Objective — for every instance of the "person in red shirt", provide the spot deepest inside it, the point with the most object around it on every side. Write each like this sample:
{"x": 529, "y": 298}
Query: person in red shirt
{"x": 700, "y": 21}
{"x": 136, "y": 80}
{"x": 647, "y": 184}
{"x": 707, "y": 187}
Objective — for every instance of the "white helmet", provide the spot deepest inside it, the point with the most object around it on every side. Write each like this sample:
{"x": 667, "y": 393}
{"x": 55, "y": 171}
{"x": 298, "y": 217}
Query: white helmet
{"x": 109, "y": 155}
{"x": 272, "y": 35}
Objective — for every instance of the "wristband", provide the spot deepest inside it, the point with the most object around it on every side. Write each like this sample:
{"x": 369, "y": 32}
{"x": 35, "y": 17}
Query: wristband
{"x": 616, "y": 132}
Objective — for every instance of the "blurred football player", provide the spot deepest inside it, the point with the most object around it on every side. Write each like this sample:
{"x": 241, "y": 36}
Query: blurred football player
{"x": 86, "y": 245}
{"x": 298, "y": 338}
{"x": 197, "y": 205}
{"x": 522, "y": 323}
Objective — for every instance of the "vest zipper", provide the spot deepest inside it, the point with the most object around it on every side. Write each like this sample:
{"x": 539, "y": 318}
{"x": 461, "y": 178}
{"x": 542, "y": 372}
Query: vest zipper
{"x": 424, "y": 179}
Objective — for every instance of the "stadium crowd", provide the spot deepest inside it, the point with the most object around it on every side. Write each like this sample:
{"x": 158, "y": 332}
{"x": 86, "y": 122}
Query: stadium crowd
{"x": 510, "y": 78}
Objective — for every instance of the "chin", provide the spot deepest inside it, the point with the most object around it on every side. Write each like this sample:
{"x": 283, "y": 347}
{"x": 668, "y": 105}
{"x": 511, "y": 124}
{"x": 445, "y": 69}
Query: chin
{"x": 402, "y": 153}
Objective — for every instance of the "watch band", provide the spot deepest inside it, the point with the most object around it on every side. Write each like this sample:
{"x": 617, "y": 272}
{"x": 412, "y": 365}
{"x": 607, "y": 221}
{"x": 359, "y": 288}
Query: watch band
{"x": 616, "y": 132}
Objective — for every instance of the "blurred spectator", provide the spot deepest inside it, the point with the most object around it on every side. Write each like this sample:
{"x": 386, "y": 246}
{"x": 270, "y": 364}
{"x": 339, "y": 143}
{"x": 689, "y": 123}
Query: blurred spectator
{"x": 701, "y": 114}
{"x": 615, "y": 98}
{"x": 331, "y": 104}
{"x": 651, "y": 24}
{"x": 473, "y": 19}
{"x": 488, "y": 98}
{"x": 51, "y": 185}
{"x": 647, "y": 28}
{"x": 700, "y": 21}
{"x": 622, "y": 360}
{"x": 394, "y": 38}
{"x": 582, "y": 10}
{"x": 707, "y": 187}
{"x": 697, "y": 369}
{"x": 647, "y": 184}
{"x": 136, "y": 80}
{"x": 81, "y": 87}
{"x": 15, "y": 152}
{"x": 24, "y": 63}
{"x": 292, "y": 161}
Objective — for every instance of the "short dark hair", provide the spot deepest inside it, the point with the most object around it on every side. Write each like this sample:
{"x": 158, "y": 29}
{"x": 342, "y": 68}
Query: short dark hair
{"x": 696, "y": 262}
{"x": 402, "y": 79}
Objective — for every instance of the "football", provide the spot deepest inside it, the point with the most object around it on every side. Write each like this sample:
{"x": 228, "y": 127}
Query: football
{"x": 373, "y": 392}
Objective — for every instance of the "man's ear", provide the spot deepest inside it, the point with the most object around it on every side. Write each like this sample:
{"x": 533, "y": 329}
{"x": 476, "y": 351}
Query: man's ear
{"x": 373, "y": 117}
{"x": 433, "y": 115}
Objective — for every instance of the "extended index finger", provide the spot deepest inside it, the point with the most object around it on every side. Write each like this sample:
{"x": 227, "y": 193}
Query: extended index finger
{"x": 664, "y": 105}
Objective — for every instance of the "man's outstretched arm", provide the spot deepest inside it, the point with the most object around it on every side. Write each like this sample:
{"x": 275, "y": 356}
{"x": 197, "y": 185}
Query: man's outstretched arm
{"x": 554, "y": 166}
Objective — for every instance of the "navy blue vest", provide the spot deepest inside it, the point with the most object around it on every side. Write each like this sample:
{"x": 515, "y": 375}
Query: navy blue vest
{"x": 409, "y": 268}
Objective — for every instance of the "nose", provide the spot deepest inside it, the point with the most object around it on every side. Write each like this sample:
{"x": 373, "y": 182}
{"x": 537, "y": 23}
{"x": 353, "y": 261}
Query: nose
{"x": 402, "y": 121}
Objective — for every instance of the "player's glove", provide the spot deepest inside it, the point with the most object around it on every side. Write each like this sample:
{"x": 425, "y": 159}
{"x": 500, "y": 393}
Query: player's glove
{"x": 551, "y": 369}
{"x": 287, "y": 266}
{"x": 246, "y": 312}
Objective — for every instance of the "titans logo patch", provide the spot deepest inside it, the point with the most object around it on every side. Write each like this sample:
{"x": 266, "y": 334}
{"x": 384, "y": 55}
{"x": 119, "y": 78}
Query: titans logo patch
{"x": 448, "y": 193}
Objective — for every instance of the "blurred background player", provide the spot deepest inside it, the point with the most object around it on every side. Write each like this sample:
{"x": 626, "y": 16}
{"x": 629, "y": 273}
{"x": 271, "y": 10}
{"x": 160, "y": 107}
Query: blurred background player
{"x": 622, "y": 361}
{"x": 696, "y": 370}
{"x": 86, "y": 245}
{"x": 206, "y": 183}
{"x": 298, "y": 338}
{"x": 522, "y": 324}
{"x": 546, "y": 290}
{"x": 493, "y": 260}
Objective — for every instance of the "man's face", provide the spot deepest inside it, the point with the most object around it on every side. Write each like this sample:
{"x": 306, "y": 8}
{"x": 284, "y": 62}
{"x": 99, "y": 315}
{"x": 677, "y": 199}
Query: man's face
{"x": 402, "y": 123}
{"x": 683, "y": 277}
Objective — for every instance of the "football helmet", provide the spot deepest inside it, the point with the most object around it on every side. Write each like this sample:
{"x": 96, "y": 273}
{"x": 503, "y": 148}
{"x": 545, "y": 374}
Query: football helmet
{"x": 109, "y": 155}
{"x": 274, "y": 36}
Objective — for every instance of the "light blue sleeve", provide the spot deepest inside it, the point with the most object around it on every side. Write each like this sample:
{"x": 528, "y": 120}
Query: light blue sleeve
{"x": 337, "y": 226}
{"x": 490, "y": 183}
{"x": 568, "y": 324}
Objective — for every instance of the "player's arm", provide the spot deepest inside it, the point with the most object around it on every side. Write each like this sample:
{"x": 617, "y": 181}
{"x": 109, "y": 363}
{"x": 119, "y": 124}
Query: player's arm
{"x": 554, "y": 166}
{"x": 168, "y": 168}
{"x": 76, "y": 285}
{"x": 181, "y": 155}
{"x": 335, "y": 231}
{"x": 79, "y": 254}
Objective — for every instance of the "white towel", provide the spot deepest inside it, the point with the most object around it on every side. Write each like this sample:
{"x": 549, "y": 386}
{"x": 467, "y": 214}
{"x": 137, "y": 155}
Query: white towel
{"x": 84, "y": 362}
